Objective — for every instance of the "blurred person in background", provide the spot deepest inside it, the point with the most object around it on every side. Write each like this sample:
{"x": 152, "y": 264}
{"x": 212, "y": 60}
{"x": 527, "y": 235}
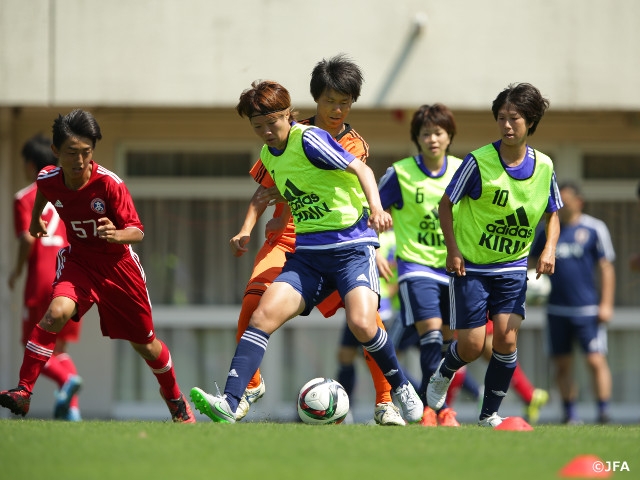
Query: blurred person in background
{"x": 39, "y": 256}
{"x": 580, "y": 304}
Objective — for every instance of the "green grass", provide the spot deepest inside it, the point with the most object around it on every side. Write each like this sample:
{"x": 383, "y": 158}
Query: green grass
{"x": 156, "y": 450}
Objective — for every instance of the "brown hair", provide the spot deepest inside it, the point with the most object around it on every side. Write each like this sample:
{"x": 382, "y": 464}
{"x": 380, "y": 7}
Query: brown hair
{"x": 265, "y": 97}
{"x": 436, "y": 114}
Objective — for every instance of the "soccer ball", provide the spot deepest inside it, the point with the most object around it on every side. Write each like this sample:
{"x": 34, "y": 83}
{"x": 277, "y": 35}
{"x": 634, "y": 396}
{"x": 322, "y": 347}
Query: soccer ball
{"x": 322, "y": 401}
{"x": 537, "y": 289}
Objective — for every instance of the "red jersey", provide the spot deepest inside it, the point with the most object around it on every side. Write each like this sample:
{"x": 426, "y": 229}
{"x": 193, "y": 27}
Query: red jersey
{"x": 104, "y": 195}
{"x": 41, "y": 265}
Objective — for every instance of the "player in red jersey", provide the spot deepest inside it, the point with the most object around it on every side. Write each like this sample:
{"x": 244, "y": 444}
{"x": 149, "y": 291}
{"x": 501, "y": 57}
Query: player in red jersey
{"x": 335, "y": 85}
{"x": 39, "y": 256}
{"x": 99, "y": 266}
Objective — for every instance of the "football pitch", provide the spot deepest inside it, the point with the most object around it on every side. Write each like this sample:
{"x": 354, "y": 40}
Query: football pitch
{"x": 121, "y": 450}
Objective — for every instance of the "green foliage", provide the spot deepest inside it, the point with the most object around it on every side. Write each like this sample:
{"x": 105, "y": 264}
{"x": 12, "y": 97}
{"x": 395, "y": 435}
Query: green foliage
{"x": 158, "y": 451}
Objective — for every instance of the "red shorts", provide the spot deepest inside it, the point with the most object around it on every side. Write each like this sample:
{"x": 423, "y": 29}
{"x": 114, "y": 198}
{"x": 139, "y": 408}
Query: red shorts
{"x": 489, "y": 327}
{"x": 117, "y": 286}
{"x": 32, "y": 316}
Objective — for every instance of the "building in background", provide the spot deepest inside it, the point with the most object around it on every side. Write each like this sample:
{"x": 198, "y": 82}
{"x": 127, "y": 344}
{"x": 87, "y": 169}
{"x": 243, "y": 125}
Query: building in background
{"x": 163, "y": 76}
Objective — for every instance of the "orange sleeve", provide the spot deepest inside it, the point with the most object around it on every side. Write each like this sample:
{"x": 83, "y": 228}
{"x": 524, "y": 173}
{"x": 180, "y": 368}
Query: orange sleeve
{"x": 261, "y": 175}
{"x": 353, "y": 143}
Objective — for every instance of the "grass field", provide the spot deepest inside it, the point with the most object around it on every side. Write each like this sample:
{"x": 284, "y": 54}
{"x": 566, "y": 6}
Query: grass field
{"x": 156, "y": 450}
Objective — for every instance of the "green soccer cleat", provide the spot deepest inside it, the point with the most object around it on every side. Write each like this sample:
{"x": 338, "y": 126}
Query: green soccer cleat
{"x": 538, "y": 400}
{"x": 215, "y": 407}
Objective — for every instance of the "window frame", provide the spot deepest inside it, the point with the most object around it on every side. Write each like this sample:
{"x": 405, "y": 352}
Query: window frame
{"x": 192, "y": 188}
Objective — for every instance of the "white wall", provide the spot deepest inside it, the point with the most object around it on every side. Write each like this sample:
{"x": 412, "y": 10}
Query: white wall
{"x": 581, "y": 53}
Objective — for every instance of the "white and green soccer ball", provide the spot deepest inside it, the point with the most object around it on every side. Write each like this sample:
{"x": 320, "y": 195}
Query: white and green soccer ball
{"x": 322, "y": 401}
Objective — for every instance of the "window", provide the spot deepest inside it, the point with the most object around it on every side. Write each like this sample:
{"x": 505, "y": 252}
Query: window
{"x": 191, "y": 203}
{"x": 611, "y": 166}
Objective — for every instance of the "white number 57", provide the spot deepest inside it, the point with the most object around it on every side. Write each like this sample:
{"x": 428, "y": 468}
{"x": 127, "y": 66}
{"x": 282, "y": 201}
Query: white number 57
{"x": 81, "y": 231}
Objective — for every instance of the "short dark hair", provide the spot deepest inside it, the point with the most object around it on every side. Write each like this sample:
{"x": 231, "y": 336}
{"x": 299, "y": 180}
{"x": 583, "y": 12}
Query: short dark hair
{"x": 526, "y": 99}
{"x": 338, "y": 73}
{"x": 573, "y": 186}
{"x": 77, "y": 123}
{"x": 436, "y": 114}
{"x": 37, "y": 150}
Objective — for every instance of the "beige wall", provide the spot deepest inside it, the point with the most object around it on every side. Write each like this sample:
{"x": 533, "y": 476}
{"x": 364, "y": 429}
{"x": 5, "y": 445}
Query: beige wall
{"x": 582, "y": 53}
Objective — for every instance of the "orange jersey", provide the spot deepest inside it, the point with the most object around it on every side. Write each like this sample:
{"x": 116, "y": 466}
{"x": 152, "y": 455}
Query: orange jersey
{"x": 353, "y": 143}
{"x": 261, "y": 175}
{"x": 350, "y": 140}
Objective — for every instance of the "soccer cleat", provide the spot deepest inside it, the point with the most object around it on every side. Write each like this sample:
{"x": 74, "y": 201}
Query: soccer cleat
{"x": 429, "y": 418}
{"x": 17, "y": 400}
{"x": 180, "y": 409}
{"x": 491, "y": 421}
{"x": 538, "y": 400}
{"x": 251, "y": 396}
{"x": 213, "y": 406}
{"x": 572, "y": 421}
{"x": 409, "y": 401}
{"x": 447, "y": 418}
{"x": 437, "y": 388}
{"x": 74, "y": 415}
{"x": 64, "y": 395}
{"x": 386, "y": 413}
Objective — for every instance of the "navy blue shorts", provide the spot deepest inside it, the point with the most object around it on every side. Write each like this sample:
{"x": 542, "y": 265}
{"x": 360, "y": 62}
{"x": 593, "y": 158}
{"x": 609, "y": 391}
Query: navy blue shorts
{"x": 317, "y": 273}
{"x": 472, "y": 296}
{"x": 422, "y": 298}
{"x": 402, "y": 337}
{"x": 562, "y": 331}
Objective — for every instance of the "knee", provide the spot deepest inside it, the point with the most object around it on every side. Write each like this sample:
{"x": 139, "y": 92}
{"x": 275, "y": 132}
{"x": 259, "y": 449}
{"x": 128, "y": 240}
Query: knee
{"x": 363, "y": 329}
{"x": 148, "y": 351}
{"x": 55, "y": 318}
{"x": 469, "y": 351}
{"x": 504, "y": 344}
{"x": 597, "y": 361}
{"x": 563, "y": 365}
{"x": 259, "y": 318}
